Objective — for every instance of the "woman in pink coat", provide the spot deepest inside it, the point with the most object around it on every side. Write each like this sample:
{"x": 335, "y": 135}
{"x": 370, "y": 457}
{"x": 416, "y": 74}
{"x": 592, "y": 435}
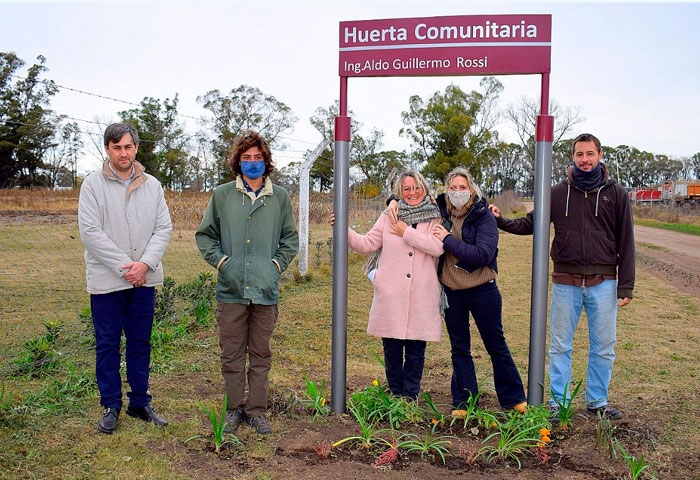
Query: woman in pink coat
{"x": 406, "y": 307}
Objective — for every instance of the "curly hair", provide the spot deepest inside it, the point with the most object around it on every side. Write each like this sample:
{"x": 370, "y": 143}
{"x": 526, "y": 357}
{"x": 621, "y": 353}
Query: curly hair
{"x": 244, "y": 142}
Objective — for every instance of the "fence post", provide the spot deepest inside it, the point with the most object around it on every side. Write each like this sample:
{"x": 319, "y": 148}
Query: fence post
{"x": 304, "y": 206}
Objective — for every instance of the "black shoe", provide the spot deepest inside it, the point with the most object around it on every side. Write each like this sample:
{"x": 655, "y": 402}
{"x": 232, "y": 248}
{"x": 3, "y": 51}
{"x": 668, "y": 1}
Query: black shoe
{"x": 147, "y": 414}
{"x": 108, "y": 422}
{"x": 233, "y": 419}
{"x": 606, "y": 411}
{"x": 259, "y": 424}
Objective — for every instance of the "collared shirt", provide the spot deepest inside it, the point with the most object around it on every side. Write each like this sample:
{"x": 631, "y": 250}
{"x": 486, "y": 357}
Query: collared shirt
{"x": 249, "y": 189}
{"x": 127, "y": 181}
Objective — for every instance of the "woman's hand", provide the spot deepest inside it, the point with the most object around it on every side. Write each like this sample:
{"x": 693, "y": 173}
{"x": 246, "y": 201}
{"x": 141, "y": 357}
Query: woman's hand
{"x": 332, "y": 218}
{"x": 440, "y": 232}
{"x": 393, "y": 211}
{"x": 398, "y": 228}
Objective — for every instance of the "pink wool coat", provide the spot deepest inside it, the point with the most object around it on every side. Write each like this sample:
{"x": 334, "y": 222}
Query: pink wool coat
{"x": 407, "y": 291}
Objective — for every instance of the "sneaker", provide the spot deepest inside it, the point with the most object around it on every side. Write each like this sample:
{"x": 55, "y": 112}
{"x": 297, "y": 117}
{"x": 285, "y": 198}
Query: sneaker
{"x": 233, "y": 419}
{"x": 554, "y": 414}
{"x": 259, "y": 424}
{"x": 147, "y": 414}
{"x": 108, "y": 422}
{"x": 606, "y": 411}
{"x": 460, "y": 414}
{"x": 520, "y": 407}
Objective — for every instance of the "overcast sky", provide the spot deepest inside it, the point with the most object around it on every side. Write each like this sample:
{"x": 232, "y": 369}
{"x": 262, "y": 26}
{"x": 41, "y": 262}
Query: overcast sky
{"x": 632, "y": 68}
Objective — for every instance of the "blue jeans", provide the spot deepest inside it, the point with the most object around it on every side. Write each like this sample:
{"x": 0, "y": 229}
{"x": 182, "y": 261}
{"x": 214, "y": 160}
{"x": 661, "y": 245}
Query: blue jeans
{"x": 404, "y": 376}
{"x": 600, "y": 303}
{"x": 130, "y": 311}
{"x": 484, "y": 302}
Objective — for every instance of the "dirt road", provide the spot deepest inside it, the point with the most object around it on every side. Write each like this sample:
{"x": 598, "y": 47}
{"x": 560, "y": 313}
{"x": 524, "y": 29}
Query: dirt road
{"x": 672, "y": 256}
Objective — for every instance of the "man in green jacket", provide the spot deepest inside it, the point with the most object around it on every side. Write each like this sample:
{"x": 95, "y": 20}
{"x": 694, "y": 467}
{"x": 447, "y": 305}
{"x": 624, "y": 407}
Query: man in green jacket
{"x": 249, "y": 235}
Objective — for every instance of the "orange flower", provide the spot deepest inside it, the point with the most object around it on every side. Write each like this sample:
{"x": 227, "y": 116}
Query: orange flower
{"x": 544, "y": 432}
{"x": 546, "y": 439}
{"x": 434, "y": 421}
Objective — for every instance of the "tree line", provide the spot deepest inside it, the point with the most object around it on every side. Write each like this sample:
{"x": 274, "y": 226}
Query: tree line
{"x": 41, "y": 148}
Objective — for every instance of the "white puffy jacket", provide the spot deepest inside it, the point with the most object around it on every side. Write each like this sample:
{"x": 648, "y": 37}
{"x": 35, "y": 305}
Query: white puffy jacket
{"x": 120, "y": 225}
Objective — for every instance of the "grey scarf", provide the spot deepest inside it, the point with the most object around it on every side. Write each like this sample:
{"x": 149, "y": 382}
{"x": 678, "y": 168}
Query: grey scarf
{"x": 425, "y": 211}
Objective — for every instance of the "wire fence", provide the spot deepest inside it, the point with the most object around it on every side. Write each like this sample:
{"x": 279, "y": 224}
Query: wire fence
{"x": 42, "y": 270}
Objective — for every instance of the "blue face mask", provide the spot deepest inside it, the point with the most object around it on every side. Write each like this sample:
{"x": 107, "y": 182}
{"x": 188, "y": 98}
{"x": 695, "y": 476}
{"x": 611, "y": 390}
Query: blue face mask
{"x": 253, "y": 170}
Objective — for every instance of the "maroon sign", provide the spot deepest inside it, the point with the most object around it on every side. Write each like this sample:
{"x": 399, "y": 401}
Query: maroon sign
{"x": 456, "y": 45}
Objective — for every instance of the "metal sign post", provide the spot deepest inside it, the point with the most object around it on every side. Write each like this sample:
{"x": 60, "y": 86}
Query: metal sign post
{"x": 452, "y": 45}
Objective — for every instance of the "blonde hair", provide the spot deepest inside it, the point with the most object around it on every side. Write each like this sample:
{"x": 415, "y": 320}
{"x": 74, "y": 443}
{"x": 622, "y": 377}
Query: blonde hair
{"x": 462, "y": 172}
{"x": 419, "y": 179}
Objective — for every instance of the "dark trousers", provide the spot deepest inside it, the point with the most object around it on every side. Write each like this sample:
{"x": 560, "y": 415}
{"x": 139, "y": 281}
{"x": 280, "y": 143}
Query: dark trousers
{"x": 484, "y": 303}
{"x": 246, "y": 330}
{"x": 130, "y": 311}
{"x": 404, "y": 375}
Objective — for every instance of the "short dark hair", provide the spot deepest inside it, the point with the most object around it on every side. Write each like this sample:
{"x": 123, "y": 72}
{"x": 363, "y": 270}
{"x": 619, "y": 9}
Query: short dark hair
{"x": 247, "y": 140}
{"x": 116, "y": 131}
{"x": 586, "y": 137}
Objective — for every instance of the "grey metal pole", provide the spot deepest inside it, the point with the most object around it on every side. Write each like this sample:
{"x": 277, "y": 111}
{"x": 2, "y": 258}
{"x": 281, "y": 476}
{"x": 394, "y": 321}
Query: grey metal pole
{"x": 540, "y": 264}
{"x": 341, "y": 176}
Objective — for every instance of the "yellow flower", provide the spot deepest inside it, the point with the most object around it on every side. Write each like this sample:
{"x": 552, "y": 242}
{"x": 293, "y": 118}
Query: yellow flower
{"x": 375, "y": 383}
{"x": 323, "y": 401}
{"x": 544, "y": 432}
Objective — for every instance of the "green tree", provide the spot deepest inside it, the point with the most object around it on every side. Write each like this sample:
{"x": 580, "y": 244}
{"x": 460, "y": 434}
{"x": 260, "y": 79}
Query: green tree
{"x": 509, "y": 169}
{"x": 695, "y": 164}
{"x": 27, "y": 125}
{"x": 455, "y": 128}
{"x": 244, "y": 107}
{"x": 162, "y": 140}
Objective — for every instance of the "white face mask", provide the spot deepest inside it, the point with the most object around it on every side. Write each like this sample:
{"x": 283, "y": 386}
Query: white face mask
{"x": 458, "y": 198}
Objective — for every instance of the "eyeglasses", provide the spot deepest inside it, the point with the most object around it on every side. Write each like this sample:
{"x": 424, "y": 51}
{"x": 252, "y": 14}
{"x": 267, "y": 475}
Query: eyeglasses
{"x": 252, "y": 158}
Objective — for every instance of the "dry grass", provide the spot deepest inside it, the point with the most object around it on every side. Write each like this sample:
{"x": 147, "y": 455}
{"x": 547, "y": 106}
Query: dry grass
{"x": 655, "y": 379}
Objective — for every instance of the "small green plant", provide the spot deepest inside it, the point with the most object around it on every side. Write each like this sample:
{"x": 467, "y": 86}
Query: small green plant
{"x": 315, "y": 398}
{"x": 470, "y": 409}
{"x": 40, "y": 355}
{"x": 438, "y": 418}
{"x": 369, "y": 434}
{"x": 63, "y": 395}
{"x": 638, "y": 466}
{"x": 199, "y": 296}
{"x": 317, "y": 257}
{"x": 165, "y": 301}
{"x": 605, "y": 435}
{"x": 376, "y": 404}
{"x": 565, "y": 406}
{"x": 430, "y": 444}
{"x": 329, "y": 245}
{"x": 514, "y": 437}
{"x": 218, "y": 423}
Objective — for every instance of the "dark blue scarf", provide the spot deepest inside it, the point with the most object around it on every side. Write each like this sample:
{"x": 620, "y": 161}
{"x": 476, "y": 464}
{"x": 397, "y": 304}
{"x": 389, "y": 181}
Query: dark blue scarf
{"x": 587, "y": 181}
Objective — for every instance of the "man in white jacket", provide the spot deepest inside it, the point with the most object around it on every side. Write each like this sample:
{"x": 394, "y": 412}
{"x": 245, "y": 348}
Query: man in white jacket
{"x": 125, "y": 227}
